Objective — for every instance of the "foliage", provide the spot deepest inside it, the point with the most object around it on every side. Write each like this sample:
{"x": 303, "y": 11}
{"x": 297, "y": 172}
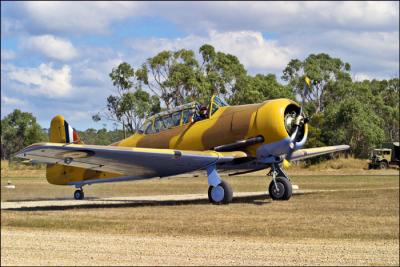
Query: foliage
{"x": 260, "y": 88}
{"x": 18, "y": 130}
{"x": 131, "y": 104}
{"x": 355, "y": 123}
{"x": 177, "y": 77}
{"x": 322, "y": 69}
{"x": 173, "y": 77}
{"x": 223, "y": 74}
{"x": 100, "y": 137}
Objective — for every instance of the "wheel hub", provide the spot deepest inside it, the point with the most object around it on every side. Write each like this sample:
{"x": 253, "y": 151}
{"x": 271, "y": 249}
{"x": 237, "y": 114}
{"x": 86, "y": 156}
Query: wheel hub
{"x": 217, "y": 193}
{"x": 278, "y": 190}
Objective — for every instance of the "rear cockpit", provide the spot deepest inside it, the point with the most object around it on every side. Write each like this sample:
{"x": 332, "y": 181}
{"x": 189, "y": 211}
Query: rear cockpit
{"x": 181, "y": 115}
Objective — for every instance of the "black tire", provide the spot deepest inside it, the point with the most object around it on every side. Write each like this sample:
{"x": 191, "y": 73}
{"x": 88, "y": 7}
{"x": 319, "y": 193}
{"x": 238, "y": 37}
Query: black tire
{"x": 223, "y": 188}
{"x": 79, "y": 195}
{"x": 383, "y": 165}
{"x": 284, "y": 189}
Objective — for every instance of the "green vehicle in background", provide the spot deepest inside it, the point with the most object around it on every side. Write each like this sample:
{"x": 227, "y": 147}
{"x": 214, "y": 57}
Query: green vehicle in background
{"x": 382, "y": 158}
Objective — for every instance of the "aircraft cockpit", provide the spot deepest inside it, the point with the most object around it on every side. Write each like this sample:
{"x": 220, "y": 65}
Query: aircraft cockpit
{"x": 181, "y": 115}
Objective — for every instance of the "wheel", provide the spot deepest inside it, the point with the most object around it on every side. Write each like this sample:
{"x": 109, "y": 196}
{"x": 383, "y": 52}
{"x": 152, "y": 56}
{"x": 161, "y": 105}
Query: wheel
{"x": 284, "y": 191}
{"x": 78, "y": 195}
{"x": 221, "y": 193}
{"x": 383, "y": 165}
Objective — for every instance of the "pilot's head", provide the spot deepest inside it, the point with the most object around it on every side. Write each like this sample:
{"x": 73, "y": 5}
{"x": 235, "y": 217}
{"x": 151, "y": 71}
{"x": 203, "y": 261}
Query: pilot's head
{"x": 203, "y": 110}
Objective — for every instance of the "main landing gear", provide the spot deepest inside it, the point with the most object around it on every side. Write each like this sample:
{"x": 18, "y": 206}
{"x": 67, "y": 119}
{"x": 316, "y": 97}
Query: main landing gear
{"x": 280, "y": 187}
{"x": 219, "y": 191}
{"x": 78, "y": 194}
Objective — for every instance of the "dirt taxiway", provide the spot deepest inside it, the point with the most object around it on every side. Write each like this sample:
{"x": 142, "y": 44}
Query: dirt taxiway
{"x": 330, "y": 220}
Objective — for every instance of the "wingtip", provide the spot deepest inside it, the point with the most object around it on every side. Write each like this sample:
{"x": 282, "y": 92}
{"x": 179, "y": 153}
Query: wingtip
{"x": 19, "y": 154}
{"x": 22, "y": 153}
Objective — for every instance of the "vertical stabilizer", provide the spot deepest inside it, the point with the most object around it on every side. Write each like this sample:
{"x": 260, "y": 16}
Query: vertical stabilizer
{"x": 62, "y": 132}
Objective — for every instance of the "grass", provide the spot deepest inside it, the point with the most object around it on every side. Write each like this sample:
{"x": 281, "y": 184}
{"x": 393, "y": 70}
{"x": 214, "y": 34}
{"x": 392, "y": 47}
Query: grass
{"x": 371, "y": 212}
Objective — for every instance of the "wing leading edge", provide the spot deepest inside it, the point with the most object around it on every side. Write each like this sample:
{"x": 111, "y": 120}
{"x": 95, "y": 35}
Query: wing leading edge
{"x": 317, "y": 151}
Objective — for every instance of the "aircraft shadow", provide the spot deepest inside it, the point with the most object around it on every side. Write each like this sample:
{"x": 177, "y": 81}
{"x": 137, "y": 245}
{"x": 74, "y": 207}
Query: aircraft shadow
{"x": 261, "y": 199}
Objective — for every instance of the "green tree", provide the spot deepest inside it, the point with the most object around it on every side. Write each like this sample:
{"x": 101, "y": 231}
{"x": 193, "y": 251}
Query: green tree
{"x": 323, "y": 70}
{"x": 131, "y": 104}
{"x": 173, "y": 76}
{"x": 381, "y": 96}
{"x": 18, "y": 130}
{"x": 260, "y": 88}
{"x": 101, "y": 136}
{"x": 386, "y": 105}
{"x": 355, "y": 123}
{"x": 177, "y": 77}
{"x": 222, "y": 74}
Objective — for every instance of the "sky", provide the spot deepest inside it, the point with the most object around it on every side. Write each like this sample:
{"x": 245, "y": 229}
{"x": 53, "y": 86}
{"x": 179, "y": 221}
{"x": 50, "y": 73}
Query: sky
{"x": 56, "y": 56}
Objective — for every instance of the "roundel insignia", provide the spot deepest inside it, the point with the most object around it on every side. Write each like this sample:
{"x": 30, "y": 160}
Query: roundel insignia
{"x": 76, "y": 154}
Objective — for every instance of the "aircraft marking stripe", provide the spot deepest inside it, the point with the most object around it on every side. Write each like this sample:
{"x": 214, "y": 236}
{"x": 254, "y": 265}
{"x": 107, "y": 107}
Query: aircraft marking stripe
{"x": 66, "y": 126}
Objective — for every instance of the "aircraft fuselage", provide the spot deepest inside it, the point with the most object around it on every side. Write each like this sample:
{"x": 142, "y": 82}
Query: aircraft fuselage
{"x": 227, "y": 125}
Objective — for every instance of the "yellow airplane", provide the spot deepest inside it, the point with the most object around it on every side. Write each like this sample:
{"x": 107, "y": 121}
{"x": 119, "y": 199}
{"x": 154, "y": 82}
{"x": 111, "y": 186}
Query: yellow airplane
{"x": 231, "y": 139}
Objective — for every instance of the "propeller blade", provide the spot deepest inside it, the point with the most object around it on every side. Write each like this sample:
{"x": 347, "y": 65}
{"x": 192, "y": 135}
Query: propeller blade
{"x": 307, "y": 86}
{"x": 292, "y": 143}
{"x": 300, "y": 121}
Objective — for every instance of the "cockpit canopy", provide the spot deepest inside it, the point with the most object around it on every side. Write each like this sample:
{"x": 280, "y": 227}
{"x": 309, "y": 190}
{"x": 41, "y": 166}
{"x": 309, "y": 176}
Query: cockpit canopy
{"x": 180, "y": 115}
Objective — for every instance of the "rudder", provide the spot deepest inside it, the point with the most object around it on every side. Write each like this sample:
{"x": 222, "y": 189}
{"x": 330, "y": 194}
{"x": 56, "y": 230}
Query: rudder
{"x": 62, "y": 132}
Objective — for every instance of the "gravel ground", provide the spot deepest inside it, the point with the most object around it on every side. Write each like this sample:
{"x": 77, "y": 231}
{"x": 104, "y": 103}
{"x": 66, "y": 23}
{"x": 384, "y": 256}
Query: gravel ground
{"x": 38, "y": 247}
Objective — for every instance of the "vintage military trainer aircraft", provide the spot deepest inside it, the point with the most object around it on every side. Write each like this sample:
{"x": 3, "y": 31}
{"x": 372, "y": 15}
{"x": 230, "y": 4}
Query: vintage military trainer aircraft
{"x": 232, "y": 139}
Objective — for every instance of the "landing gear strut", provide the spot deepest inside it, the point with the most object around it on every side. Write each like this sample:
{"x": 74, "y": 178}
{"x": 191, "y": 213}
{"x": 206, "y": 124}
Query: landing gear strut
{"x": 280, "y": 187}
{"x": 78, "y": 194}
{"x": 219, "y": 191}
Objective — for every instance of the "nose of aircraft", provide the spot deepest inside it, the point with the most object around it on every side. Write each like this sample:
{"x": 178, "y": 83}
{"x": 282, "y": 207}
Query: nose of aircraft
{"x": 282, "y": 127}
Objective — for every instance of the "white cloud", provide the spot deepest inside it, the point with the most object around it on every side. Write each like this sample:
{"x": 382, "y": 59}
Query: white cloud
{"x": 279, "y": 16}
{"x": 201, "y": 17}
{"x": 10, "y": 25}
{"x": 51, "y": 46}
{"x": 361, "y": 77}
{"x": 78, "y": 17}
{"x": 7, "y": 54}
{"x": 12, "y": 101}
{"x": 44, "y": 80}
{"x": 375, "y": 53}
{"x": 251, "y": 48}
{"x": 94, "y": 70}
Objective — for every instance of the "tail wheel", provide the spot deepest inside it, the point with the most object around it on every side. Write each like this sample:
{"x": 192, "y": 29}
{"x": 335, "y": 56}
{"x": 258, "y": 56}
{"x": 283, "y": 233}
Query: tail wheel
{"x": 220, "y": 194}
{"x": 282, "y": 190}
{"x": 78, "y": 195}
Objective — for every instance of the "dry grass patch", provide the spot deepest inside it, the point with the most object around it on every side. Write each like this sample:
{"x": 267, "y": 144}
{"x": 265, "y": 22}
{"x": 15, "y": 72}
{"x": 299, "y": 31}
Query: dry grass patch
{"x": 371, "y": 213}
{"x": 340, "y": 163}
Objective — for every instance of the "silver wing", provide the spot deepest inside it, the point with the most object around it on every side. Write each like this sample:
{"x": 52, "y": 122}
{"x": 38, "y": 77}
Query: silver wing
{"x": 316, "y": 151}
{"x": 137, "y": 162}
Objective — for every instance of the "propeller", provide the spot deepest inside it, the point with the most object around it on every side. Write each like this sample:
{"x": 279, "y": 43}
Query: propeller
{"x": 300, "y": 120}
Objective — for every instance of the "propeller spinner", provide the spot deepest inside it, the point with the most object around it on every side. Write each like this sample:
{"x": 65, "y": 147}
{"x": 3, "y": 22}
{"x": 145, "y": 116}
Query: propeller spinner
{"x": 298, "y": 122}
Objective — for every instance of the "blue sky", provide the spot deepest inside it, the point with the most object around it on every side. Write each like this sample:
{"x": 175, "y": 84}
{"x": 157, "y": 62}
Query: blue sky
{"x": 56, "y": 56}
